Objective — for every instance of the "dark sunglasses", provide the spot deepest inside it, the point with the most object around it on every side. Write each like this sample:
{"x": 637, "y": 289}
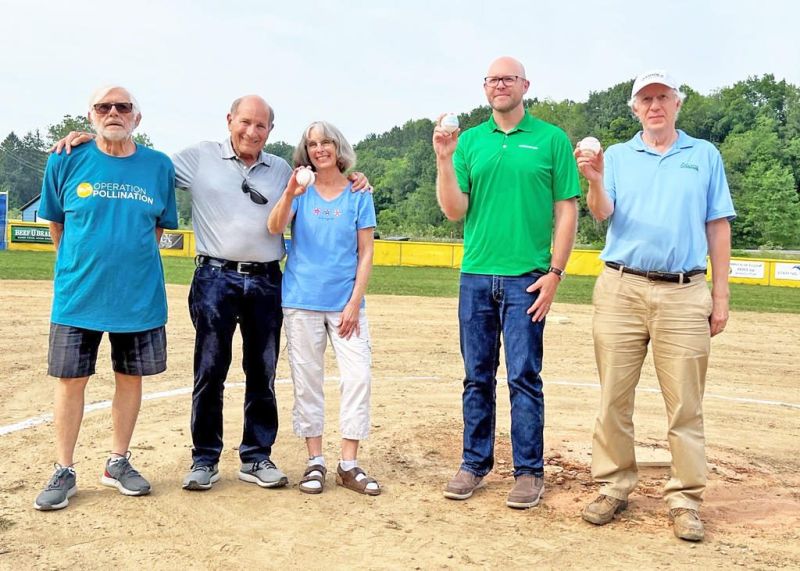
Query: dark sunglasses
{"x": 105, "y": 108}
{"x": 255, "y": 196}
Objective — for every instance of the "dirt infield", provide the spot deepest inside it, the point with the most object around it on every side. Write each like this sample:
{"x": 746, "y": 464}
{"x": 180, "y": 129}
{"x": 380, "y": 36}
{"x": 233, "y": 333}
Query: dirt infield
{"x": 752, "y": 509}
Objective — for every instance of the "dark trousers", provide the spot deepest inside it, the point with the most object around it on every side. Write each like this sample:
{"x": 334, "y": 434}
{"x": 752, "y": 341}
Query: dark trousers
{"x": 218, "y": 300}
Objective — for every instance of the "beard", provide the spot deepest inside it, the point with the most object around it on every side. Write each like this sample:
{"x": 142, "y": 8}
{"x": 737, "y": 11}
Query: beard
{"x": 504, "y": 105}
{"x": 111, "y": 134}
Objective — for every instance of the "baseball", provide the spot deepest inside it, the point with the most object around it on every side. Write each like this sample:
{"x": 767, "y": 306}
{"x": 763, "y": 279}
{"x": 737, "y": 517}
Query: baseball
{"x": 589, "y": 146}
{"x": 449, "y": 122}
{"x": 305, "y": 177}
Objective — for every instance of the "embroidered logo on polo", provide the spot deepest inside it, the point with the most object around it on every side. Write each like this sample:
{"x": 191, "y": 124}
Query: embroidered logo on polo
{"x": 686, "y": 165}
{"x": 113, "y": 191}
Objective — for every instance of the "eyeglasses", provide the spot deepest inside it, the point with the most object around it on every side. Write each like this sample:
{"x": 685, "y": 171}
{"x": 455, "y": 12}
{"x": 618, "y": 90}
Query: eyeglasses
{"x": 254, "y": 195}
{"x": 327, "y": 143}
{"x": 105, "y": 108}
{"x": 507, "y": 80}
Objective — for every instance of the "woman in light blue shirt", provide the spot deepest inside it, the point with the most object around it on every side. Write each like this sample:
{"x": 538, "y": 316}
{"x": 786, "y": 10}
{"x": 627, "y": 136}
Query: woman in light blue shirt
{"x": 326, "y": 276}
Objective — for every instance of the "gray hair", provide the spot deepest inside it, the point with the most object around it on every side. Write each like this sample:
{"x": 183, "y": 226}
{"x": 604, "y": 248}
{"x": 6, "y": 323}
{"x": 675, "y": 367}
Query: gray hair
{"x": 678, "y": 93}
{"x": 101, "y": 92}
{"x": 238, "y": 101}
{"x": 345, "y": 155}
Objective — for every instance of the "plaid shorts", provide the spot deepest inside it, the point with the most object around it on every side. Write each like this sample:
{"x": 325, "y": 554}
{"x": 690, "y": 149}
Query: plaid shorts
{"x": 72, "y": 351}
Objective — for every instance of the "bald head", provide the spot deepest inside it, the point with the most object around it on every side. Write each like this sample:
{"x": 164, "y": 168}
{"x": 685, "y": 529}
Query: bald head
{"x": 506, "y": 66}
{"x": 249, "y": 123}
{"x": 505, "y": 86}
{"x": 255, "y": 102}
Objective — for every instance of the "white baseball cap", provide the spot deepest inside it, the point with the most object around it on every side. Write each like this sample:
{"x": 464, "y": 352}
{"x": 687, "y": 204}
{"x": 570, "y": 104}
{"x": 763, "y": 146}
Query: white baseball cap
{"x": 650, "y": 77}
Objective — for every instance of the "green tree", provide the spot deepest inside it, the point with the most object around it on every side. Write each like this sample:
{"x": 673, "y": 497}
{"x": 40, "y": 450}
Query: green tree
{"x": 280, "y": 149}
{"x": 22, "y": 167}
{"x": 68, "y": 124}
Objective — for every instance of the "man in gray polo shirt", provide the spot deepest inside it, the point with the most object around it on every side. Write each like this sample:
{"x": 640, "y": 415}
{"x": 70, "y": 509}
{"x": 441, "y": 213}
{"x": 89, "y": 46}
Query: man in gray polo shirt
{"x": 237, "y": 281}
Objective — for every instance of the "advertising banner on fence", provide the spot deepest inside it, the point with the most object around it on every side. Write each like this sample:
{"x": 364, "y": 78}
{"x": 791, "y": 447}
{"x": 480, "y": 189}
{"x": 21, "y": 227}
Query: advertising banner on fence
{"x": 739, "y": 269}
{"x": 171, "y": 241}
{"x": 3, "y": 219}
{"x": 30, "y": 234}
{"x": 790, "y": 271}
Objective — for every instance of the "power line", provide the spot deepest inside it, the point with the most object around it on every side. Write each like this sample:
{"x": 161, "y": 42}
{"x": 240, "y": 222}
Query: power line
{"x": 24, "y": 162}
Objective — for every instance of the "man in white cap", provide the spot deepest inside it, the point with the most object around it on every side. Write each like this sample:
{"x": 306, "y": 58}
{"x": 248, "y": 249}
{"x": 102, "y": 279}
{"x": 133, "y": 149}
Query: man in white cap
{"x": 668, "y": 204}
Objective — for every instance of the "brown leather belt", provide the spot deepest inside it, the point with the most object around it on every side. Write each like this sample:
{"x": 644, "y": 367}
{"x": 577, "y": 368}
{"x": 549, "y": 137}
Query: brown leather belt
{"x": 676, "y": 278}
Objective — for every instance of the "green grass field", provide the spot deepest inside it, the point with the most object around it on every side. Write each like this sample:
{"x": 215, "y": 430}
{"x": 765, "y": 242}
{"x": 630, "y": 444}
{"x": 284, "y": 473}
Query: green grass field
{"x": 427, "y": 282}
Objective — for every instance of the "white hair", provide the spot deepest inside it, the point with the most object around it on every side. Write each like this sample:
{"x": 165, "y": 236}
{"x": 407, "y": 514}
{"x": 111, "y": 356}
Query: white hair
{"x": 678, "y": 93}
{"x": 101, "y": 92}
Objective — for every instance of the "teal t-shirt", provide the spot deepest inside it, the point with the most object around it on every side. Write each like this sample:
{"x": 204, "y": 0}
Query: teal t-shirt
{"x": 513, "y": 179}
{"x": 323, "y": 259}
{"x": 108, "y": 273}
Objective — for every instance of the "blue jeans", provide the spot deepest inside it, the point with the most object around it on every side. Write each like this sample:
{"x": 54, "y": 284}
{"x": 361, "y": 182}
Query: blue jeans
{"x": 218, "y": 300}
{"x": 487, "y": 306}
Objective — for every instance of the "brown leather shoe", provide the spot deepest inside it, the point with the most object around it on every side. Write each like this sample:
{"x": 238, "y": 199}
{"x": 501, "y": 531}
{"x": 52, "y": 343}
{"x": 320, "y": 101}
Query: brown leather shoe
{"x": 603, "y": 509}
{"x": 527, "y": 491}
{"x": 686, "y": 524}
{"x": 462, "y": 485}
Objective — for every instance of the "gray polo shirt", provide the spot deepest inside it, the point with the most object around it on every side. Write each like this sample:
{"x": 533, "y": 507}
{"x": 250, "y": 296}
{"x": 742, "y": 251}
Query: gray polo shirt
{"x": 227, "y": 224}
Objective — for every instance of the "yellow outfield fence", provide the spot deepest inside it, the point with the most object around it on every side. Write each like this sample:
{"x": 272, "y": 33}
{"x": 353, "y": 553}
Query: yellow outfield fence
{"x": 756, "y": 271}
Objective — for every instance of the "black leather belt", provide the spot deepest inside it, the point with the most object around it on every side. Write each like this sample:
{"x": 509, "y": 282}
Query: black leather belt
{"x": 245, "y": 268}
{"x": 680, "y": 278}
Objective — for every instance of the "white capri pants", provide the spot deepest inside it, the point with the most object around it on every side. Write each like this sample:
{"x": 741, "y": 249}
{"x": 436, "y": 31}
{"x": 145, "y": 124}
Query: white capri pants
{"x": 307, "y": 333}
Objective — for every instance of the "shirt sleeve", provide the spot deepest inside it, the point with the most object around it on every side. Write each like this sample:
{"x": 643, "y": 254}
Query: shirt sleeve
{"x": 169, "y": 215}
{"x": 51, "y": 206}
{"x": 462, "y": 168}
{"x": 186, "y": 163}
{"x": 365, "y": 217}
{"x": 719, "y": 202}
{"x": 609, "y": 178}
{"x": 565, "y": 170}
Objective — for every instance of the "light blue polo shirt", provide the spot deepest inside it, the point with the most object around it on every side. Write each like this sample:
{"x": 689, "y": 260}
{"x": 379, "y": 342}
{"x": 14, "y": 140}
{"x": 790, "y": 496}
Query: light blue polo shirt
{"x": 663, "y": 202}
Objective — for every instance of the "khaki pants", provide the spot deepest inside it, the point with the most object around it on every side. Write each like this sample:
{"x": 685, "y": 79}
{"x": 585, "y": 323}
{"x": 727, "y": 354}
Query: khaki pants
{"x": 630, "y": 312}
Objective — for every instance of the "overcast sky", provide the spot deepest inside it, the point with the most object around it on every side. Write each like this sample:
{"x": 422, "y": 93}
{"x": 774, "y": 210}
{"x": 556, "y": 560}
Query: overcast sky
{"x": 369, "y": 66}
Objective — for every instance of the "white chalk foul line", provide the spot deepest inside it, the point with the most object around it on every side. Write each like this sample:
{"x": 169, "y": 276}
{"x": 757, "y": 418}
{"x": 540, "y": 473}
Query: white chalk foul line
{"x": 102, "y": 405}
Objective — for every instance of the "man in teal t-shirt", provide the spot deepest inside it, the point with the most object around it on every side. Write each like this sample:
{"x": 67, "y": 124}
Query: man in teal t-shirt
{"x": 514, "y": 180}
{"x": 107, "y": 203}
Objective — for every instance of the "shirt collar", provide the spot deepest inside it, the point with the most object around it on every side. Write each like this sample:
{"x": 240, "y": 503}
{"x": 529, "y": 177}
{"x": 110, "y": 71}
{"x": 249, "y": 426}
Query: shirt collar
{"x": 526, "y": 124}
{"x": 227, "y": 152}
{"x": 683, "y": 141}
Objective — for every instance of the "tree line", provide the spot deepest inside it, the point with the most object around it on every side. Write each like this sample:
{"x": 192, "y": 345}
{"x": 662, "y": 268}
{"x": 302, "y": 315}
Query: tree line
{"x": 755, "y": 124}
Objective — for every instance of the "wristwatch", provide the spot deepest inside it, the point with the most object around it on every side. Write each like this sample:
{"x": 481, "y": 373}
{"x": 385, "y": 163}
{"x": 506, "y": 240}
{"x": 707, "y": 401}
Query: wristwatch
{"x": 557, "y": 271}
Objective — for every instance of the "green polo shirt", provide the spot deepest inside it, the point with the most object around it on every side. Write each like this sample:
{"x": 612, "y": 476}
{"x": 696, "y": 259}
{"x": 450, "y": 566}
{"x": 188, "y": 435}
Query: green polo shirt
{"x": 512, "y": 180}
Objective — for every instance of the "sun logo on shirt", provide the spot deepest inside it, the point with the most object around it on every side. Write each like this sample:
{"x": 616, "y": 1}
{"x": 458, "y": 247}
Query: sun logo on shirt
{"x": 84, "y": 189}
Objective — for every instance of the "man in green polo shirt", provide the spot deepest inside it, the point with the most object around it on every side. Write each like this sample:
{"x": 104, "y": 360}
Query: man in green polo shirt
{"x": 514, "y": 180}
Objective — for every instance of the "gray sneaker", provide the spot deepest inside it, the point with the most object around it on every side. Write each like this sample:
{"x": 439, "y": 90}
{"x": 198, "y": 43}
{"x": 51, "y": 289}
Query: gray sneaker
{"x": 263, "y": 473}
{"x": 59, "y": 489}
{"x": 121, "y": 475}
{"x": 201, "y": 477}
